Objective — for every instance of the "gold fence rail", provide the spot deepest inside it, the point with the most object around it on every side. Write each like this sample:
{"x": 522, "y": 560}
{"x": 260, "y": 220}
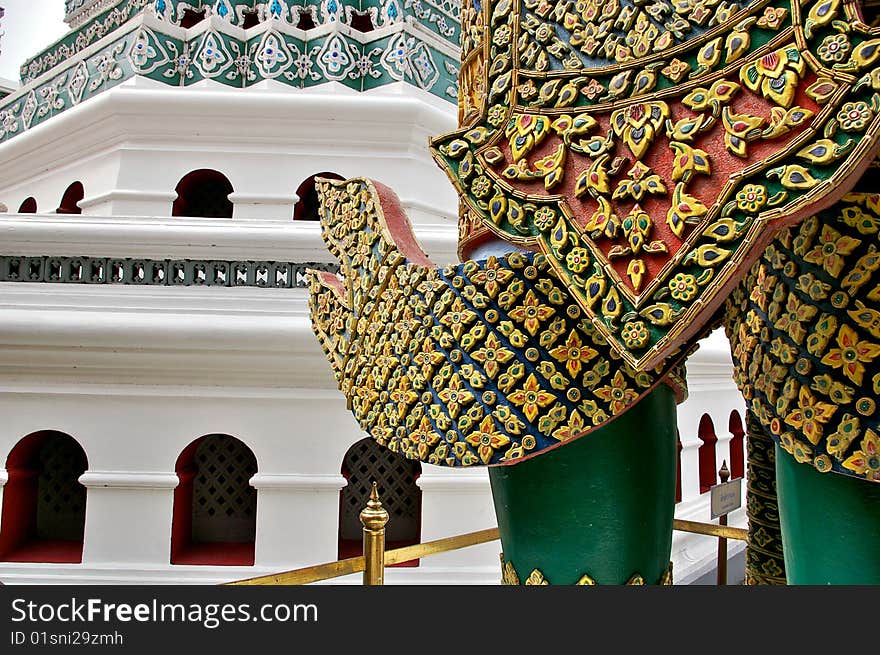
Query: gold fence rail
{"x": 377, "y": 557}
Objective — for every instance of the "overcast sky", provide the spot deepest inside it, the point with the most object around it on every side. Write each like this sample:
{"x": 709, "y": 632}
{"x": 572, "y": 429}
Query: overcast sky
{"x": 29, "y": 26}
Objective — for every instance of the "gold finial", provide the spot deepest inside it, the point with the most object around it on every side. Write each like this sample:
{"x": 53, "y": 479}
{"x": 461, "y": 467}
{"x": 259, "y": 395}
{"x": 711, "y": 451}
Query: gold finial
{"x": 374, "y": 516}
{"x": 724, "y": 472}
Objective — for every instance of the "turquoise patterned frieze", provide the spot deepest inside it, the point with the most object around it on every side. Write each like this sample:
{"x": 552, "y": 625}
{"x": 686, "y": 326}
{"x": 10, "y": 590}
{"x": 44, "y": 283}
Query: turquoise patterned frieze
{"x": 77, "y": 12}
{"x": 76, "y": 83}
{"x": 216, "y": 49}
{"x": 92, "y": 31}
{"x": 96, "y": 19}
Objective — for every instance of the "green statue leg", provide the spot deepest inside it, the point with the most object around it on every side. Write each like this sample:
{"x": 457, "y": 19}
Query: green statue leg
{"x": 765, "y": 561}
{"x": 830, "y": 525}
{"x": 601, "y": 506}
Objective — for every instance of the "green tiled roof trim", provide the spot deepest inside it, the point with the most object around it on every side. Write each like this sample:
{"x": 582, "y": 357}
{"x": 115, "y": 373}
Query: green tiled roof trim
{"x": 219, "y": 50}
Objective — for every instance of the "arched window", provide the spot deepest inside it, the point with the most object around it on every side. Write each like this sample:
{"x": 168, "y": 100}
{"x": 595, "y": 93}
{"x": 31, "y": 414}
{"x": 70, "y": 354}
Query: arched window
{"x": 305, "y": 19}
{"x": 28, "y": 206}
{"x": 737, "y": 447}
{"x": 70, "y": 200}
{"x": 306, "y": 209}
{"x": 395, "y": 476}
{"x": 251, "y": 18}
{"x": 706, "y": 453}
{"x": 203, "y": 193}
{"x": 215, "y": 508}
{"x": 44, "y": 505}
{"x": 192, "y": 17}
{"x": 361, "y": 21}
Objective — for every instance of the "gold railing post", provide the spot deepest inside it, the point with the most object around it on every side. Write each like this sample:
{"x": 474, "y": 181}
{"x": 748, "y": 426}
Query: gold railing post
{"x": 724, "y": 476}
{"x": 374, "y": 517}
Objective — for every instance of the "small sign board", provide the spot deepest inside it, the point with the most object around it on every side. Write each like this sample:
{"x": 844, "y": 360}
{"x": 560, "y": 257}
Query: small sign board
{"x": 726, "y": 497}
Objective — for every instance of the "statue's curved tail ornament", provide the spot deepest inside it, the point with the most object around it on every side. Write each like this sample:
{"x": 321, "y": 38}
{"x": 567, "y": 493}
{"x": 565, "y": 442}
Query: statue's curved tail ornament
{"x": 484, "y": 362}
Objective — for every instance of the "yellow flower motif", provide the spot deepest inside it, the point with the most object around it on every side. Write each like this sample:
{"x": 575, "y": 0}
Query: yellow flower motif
{"x": 575, "y": 427}
{"x": 809, "y": 415}
{"x": 795, "y": 313}
{"x": 676, "y": 69}
{"x": 531, "y": 313}
{"x": 424, "y": 437}
{"x": 578, "y": 259}
{"x": 771, "y": 376}
{"x": 486, "y": 439}
{"x": 851, "y": 353}
{"x": 772, "y": 18}
{"x": 635, "y": 334}
{"x": 618, "y": 395}
{"x": 854, "y": 116}
{"x": 751, "y": 198}
{"x": 776, "y": 75}
{"x": 428, "y": 358}
{"x": 573, "y": 354}
{"x": 531, "y": 398}
{"x": 828, "y": 251}
{"x": 458, "y": 317}
{"x": 493, "y": 277}
{"x": 455, "y": 395}
{"x": 491, "y": 355}
{"x": 683, "y": 286}
{"x": 403, "y": 395}
{"x": 867, "y": 460}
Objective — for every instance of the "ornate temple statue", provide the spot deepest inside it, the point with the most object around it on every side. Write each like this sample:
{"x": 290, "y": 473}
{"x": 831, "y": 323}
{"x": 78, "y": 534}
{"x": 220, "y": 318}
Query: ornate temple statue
{"x": 631, "y": 174}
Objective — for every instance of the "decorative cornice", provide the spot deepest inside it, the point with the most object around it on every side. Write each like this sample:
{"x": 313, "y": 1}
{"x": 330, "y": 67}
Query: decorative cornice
{"x": 140, "y": 44}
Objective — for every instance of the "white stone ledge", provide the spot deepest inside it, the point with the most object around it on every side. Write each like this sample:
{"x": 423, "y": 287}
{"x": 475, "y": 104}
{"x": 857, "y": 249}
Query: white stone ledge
{"x": 298, "y": 481}
{"x": 256, "y": 198}
{"x": 162, "y": 238}
{"x": 128, "y": 194}
{"x": 186, "y": 237}
{"x": 461, "y": 482}
{"x": 129, "y": 480}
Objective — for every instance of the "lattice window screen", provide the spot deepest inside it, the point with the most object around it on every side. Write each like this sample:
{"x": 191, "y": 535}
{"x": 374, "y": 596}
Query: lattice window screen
{"x": 61, "y": 499}
{"x": 224, "y": 504}
{"x": 395, "y": 476}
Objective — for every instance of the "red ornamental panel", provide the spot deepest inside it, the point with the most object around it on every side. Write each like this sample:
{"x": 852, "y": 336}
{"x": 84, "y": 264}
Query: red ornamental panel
{"x": 652, "y": 151}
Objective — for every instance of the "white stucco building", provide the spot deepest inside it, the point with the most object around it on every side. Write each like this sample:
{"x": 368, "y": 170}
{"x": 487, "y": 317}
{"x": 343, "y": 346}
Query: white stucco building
{"x": 154, "y": 331}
